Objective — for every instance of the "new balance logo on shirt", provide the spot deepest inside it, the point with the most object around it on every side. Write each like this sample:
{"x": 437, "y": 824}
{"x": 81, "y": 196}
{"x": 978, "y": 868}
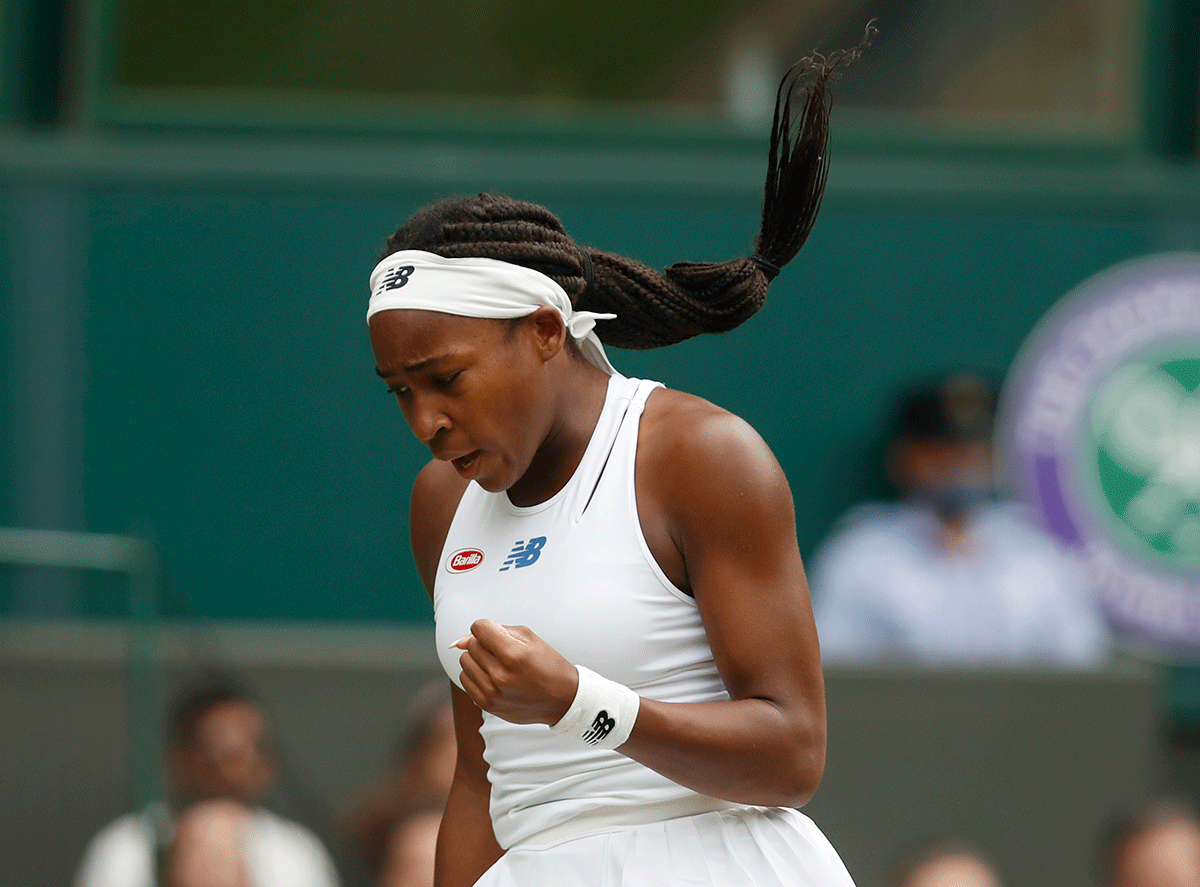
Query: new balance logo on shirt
{"x": 524, "y": 554}
{"x": 601, "y": 727}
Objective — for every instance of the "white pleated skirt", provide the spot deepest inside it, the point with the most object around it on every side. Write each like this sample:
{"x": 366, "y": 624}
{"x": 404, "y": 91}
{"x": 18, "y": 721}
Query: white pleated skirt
{"x": 751, "y": 846}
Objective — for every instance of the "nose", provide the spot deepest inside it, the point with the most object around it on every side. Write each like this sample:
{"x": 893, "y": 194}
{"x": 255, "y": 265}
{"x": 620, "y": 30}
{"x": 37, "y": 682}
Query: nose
{"x": 427, "y": 418}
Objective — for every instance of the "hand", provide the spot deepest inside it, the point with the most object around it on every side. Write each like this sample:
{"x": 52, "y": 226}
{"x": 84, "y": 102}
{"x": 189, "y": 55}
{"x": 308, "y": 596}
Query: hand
{"x": 510, "y": 672}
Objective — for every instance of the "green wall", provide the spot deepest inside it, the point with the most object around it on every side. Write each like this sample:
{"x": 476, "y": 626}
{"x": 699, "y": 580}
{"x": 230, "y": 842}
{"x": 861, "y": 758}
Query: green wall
{"x": 225, "y": 391}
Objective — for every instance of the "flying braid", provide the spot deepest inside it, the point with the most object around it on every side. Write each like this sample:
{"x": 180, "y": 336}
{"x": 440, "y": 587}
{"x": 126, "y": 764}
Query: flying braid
{"x": 659, "y": 308}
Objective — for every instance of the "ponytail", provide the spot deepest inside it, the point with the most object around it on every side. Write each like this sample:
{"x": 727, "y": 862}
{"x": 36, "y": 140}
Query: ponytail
{"x": 798, "y": 162}
{"x": 660, "y": 308}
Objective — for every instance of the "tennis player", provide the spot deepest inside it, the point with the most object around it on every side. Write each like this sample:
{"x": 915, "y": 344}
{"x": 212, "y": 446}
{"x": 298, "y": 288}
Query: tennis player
{"x": 618, "y": 592}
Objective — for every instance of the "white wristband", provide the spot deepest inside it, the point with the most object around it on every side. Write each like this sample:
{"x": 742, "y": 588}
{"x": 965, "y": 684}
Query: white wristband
{"x": 602, "y": 713}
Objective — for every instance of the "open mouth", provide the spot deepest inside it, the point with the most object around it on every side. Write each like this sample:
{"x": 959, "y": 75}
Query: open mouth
{"x": 462, "y": 463}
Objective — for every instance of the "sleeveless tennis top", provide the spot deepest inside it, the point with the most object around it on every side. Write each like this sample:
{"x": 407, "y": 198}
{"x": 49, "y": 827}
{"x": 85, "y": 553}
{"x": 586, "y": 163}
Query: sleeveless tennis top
{"x": 577, "y": 571}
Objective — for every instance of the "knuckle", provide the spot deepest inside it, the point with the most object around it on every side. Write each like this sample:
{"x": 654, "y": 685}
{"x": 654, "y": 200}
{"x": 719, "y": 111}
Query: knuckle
{"x": 515, "y": 659}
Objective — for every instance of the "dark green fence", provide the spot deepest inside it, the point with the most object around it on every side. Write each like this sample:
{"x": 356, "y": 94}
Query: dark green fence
{"x": 190, "y": 309}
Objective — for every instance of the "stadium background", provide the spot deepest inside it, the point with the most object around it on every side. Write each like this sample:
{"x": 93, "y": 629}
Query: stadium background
{"x": 191, "y": 197}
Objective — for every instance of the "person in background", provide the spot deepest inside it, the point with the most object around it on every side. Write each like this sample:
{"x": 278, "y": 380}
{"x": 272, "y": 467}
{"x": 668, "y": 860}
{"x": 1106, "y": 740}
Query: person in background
{"x": 220, "y": 767}
{"x": 1155, "y": 846}
{"x": 411, "y": 848}
{"x": 427, "y": 752}
{"x": 417, "y": 782}
{"x": 948, "y": 576}
{"x": 207, "y": 850}
{"x": 943, "y": 863}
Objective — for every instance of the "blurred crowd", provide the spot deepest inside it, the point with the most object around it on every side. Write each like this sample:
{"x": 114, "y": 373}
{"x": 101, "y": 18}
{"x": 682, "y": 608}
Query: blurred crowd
{"x": 213, "y": 829}
{"x": 1157, "y": 845}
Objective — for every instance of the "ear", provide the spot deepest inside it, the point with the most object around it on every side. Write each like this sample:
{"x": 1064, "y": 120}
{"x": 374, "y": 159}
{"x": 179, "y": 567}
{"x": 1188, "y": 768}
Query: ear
{"x": 549, "y": 332}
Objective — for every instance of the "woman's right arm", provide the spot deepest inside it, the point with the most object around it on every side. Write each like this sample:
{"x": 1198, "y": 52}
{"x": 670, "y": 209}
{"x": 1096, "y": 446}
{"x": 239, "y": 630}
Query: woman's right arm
{"x": 466, "y": 845}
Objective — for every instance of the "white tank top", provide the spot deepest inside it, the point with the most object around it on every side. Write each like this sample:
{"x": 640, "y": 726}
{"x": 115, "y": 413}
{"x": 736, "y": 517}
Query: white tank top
{"x": 577, "y": 571}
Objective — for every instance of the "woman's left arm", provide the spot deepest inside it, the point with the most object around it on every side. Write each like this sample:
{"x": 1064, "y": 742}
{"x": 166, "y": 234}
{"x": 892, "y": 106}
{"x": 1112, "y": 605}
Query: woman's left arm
{"x": 730, "y": 513}
{"x": 727, "y": 507}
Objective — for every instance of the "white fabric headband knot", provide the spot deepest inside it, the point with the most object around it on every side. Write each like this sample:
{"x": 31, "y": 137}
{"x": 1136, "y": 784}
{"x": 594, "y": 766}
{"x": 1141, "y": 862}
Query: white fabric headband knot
{"x": 473, "y": 287}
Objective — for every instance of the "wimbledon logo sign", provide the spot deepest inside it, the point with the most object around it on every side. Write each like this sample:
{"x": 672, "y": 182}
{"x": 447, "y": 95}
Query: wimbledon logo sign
{"x": 1100, "y": 433}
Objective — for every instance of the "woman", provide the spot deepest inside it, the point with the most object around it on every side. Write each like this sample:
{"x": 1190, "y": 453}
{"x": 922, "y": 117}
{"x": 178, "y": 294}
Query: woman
{"x": 619, "y": 596}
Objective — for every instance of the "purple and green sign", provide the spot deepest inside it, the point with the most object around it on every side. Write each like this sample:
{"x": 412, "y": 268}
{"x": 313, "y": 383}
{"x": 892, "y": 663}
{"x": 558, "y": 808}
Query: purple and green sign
{"x": 1100, "y": 434}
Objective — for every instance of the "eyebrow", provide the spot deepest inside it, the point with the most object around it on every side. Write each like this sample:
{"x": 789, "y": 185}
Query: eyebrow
{"x": 419, "y": 365}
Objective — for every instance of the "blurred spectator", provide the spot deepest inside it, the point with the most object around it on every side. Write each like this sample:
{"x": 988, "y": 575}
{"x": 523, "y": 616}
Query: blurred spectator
{"x": 1156, "y": 846}
{"x": 220, "y": 767}
{"x": 208, "y": 847}
{"x": 949, "y": 576}
{"x": 408, "y": 856}
{"x": 417, "y": 779}
{"x": 943, "y": 863}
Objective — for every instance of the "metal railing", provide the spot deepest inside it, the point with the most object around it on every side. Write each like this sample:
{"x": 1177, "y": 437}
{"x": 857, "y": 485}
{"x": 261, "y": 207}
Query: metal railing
{"x": 138, "y": 561}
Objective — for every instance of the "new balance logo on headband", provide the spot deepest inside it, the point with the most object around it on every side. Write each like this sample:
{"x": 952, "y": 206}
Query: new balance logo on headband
{"x": 524, "y": 554}
{"x": 395, "y": 278}
{"x": 601, "y": 727}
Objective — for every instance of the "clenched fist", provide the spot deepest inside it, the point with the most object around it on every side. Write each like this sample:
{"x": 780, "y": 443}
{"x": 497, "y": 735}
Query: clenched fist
{"x": 510, "y": 672}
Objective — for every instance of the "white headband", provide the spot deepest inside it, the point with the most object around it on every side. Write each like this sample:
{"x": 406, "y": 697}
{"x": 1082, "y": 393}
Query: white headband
{"x": 474, "y": 287}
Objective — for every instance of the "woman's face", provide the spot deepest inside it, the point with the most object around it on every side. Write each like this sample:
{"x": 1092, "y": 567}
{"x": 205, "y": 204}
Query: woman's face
{"x": 477, "y": 392}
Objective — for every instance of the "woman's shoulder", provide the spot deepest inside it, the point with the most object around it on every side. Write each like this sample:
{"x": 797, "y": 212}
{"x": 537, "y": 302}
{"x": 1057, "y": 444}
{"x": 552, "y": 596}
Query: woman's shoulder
{"x": 683, "y": 437}
{"x": 689, "y": 425}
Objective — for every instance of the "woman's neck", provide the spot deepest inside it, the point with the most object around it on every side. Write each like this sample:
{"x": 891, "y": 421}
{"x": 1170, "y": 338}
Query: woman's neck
{"x": 580, "y": 402}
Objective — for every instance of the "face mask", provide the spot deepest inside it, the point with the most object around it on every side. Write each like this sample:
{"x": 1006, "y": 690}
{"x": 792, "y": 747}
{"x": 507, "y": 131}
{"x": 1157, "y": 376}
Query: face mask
{"x": 956, "y": 499}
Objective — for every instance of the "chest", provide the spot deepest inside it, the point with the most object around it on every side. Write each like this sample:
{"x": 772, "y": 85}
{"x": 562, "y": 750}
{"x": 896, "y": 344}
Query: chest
{"x": 586, "y": 586}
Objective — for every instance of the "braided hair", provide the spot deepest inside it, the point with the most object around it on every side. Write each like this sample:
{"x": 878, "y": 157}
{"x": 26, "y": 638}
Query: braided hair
{"x": 659, "y": 308}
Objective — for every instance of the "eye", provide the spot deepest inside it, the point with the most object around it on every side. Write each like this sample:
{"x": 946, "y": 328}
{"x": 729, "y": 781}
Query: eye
{"x": 398, "y": 391}
{"x": 447, "y": 380}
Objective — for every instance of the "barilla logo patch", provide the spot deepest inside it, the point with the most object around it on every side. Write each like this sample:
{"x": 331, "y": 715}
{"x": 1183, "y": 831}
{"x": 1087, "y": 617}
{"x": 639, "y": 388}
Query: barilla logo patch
{"x": 464, "y": 559}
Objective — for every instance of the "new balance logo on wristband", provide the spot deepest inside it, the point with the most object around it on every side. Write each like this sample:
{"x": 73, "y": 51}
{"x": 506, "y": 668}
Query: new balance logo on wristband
{"x": 598, "y": 694}
{"x": 524, "y": 554}
{"x": 601, "y": 727}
